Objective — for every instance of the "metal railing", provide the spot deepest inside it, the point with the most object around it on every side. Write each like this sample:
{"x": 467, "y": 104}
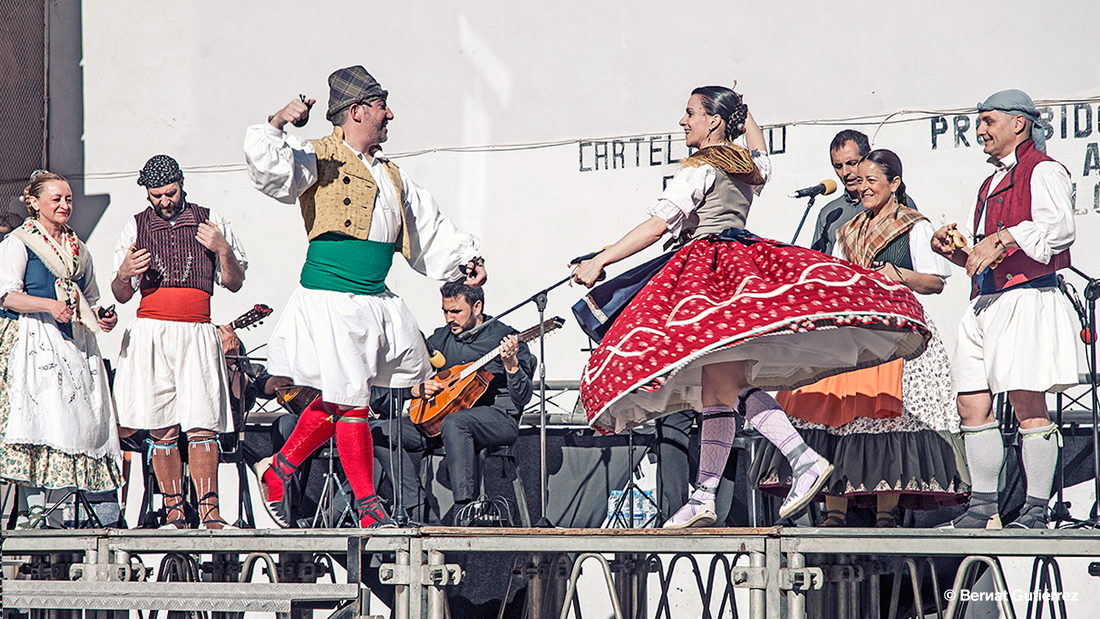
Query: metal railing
{"x": 778, "y": 567}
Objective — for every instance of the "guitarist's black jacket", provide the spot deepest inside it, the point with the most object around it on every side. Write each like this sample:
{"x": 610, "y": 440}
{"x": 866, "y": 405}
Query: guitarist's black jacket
{"x": 509, "y": 392}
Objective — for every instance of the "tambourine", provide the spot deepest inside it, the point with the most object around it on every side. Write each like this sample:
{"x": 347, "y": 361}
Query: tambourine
{"x": 296, "y": 399}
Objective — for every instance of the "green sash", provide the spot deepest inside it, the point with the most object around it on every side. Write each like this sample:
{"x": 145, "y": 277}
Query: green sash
{"x": 344, "y": 264}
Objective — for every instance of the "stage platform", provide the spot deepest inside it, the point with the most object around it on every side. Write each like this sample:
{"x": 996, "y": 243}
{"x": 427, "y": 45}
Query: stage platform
{"x": 110, "y": 569}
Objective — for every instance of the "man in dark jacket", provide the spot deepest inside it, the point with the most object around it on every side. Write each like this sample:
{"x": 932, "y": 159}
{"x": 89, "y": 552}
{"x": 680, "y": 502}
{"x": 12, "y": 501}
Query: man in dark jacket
{"x": 492, "y": 421}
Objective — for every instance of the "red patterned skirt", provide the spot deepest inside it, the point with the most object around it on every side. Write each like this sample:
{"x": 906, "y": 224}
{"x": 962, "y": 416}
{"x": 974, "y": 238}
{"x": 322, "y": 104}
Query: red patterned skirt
{"x": 797, "y": 315}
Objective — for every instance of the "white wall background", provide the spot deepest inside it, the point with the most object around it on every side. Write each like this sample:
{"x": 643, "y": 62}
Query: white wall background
{"x": 186, "y": 78}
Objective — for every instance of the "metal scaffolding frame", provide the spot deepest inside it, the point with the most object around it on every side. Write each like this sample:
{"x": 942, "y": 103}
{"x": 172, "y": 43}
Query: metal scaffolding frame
{"x": 104, "y": 570}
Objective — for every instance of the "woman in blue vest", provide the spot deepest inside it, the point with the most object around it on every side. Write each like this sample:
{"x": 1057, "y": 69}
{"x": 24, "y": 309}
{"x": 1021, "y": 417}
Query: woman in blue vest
{"x": 57, "y": 421}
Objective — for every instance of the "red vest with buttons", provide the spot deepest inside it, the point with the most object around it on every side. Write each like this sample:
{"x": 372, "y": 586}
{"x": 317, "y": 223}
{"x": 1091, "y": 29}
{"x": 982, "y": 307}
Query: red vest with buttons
{"x": 178, "y": 259}
{"x": 1008, "y": 205}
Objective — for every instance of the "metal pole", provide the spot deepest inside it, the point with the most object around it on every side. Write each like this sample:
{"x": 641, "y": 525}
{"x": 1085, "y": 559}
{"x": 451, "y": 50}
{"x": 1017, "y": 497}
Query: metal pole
{"x": 401, "y": 592}
{"x": 873, "y": 584}
{"x": 45, "y": 160}
{"x": 757, "y": 597}
{"x": 844, "y": 595}
{"x": 809, "y": 205}
{"x": 774, "y": 559}
{"x": 437, "y": 599}
{"x": 536, "y": 586}
{"x": 540, "y": 302}
{"x": 416, "y": 578}
{"x": 796, "y": 598}
{"x": 1090, "y": 293}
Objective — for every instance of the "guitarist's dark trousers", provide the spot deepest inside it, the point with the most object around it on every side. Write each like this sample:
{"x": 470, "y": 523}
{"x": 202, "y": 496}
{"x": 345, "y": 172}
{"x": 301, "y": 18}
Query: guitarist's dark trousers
{"x": 462, "y": 434}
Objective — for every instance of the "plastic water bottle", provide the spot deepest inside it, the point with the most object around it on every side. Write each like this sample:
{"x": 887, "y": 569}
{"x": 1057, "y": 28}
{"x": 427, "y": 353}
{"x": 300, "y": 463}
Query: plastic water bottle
{"x": 68, "y": 513}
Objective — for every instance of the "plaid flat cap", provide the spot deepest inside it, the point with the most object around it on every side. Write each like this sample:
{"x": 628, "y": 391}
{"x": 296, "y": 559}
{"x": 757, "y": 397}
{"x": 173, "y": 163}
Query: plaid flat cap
{"x": 349, "y": 86}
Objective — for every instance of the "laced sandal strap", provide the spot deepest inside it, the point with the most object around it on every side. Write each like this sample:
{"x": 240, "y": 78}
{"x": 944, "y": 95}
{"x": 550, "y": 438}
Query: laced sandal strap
{"x": 977, "y": 501}
{"x": 282, "y": 462}
{"x": 719, "y": 414}
{"x": 795, "y": 456}
{"x": 206, "y": 501}
{"x": 36, "y": 518}
{"x": 210, "y": 502}
{"x": 173, "y": 495}
{"x": 179, "y": 506}
{"x": 348, "y": 419}
{"x": 885, "y": 519}
{"x": 368, "y": 505}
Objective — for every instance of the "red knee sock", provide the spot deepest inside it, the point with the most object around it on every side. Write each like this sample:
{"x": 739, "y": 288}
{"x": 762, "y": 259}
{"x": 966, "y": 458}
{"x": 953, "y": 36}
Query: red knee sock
{"x": 314, "y": 427}
{"x": 353, "y": 441}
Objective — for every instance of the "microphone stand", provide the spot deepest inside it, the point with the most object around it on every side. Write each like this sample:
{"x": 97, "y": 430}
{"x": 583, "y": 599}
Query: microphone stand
{"x": 396, "y": 405}
{"x": 809, "y": 205}
{"x": 1092, "y": 293}
{"x": 539, "y": 299}
{"x": 245, "y": 517}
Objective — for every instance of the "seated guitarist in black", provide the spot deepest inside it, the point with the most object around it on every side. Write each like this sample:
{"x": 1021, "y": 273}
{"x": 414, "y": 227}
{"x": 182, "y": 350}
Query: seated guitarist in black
{"x": 492, "y": 421}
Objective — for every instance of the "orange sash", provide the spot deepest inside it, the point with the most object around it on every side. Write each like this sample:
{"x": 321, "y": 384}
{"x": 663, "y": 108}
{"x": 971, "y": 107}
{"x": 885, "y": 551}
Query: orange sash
{"x": 176, "y": 305}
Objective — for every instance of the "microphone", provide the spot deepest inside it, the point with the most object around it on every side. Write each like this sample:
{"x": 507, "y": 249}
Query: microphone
{"x": 1087, "y": 334}
{"x": 825, "y": 187}
{"x": 434, "y": 356}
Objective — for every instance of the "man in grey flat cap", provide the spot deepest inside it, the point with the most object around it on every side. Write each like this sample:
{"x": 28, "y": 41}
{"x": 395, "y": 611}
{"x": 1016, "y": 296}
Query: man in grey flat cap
{"x": 343, "y": 331}
{"x": 171, "y": 371}
{"x": 1018, "y": 335}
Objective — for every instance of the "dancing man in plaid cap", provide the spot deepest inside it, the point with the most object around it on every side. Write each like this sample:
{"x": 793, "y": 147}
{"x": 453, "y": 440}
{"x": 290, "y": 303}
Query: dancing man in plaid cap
{"x": 171, "y": 371}
{"x": 343, "y": 331}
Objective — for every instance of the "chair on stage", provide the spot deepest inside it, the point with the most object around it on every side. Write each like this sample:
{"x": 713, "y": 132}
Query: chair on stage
{"x": 73, "y": 509}
{"x": 492, "y": 463}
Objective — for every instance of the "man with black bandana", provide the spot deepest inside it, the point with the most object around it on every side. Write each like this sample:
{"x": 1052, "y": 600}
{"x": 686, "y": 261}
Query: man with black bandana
{"x": 171, "y": 370}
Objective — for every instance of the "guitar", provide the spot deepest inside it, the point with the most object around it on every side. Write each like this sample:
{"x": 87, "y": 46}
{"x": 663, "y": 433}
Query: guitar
{"x": 296, "y": 398}
{"x": 251, "y": 317}
{"x": 464, "y": 384}
{"x": 246, "y": 320}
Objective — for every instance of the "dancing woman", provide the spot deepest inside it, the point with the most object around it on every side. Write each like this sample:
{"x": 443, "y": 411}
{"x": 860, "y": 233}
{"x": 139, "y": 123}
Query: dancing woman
{"x": 732, "y": 313}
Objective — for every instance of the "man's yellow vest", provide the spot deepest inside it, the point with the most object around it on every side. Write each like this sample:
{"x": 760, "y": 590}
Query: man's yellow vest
{"x": 342, "y": 199}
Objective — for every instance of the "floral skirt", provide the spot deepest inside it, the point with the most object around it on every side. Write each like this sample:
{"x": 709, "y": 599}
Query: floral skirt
{"x": 796, "y": 315}
{"x": 41, "y": 465}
